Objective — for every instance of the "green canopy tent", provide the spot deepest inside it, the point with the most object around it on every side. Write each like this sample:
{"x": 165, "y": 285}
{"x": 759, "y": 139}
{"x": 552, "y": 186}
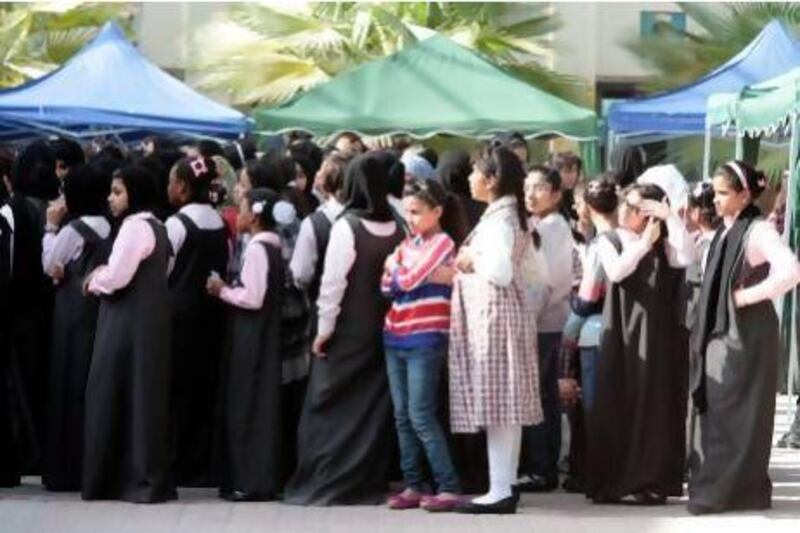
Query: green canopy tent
{"x": 432, "y": 87}
{"x": 764, "y": 109}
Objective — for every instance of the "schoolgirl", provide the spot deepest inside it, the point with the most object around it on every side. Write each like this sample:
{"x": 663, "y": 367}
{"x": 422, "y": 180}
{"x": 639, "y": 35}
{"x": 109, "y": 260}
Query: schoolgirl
{"x": 636, "y": 426}
{"x": 126, "y": 438}
{"x": 345, "y": 425}
{"x": 252, "y": 431}
{"x": 68, "y": 255}
{"x": 541, "y": 444}
{"x": 199, "y": 244}
{"x": 417, "y": 277}
{"x": 493, "y": 362}
{"x": 735, "y": 348}
{"x": 595, "y": 205}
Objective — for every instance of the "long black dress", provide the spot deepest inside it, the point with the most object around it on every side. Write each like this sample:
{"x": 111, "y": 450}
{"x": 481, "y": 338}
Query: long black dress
{"x": 9, "y": 460}
{"x": 294, "y": 350}
{"x": 31, "y": 299}
{"x": 74, "y": 323}
{"x": 636, "y": 428}
{"x": 197, "y": 342}
{"x": 346, "y": 427}
{"x": 126, "y": 440}
{"x": 735, "y": 364}
{"x": 252, "y": 432}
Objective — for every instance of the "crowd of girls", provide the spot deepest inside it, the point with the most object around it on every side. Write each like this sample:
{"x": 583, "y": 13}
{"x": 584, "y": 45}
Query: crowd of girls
{"x": 309, "y": 325}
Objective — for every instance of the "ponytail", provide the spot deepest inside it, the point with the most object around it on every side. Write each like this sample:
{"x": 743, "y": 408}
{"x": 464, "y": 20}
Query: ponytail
{"x": 453, "y": 220}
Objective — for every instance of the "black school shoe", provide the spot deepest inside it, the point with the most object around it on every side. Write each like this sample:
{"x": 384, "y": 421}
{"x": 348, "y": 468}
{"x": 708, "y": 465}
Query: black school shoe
{"x": 574, "y": 485}
{"x": 504, "y": 506}
{"x": 535, "y": 483}
{"x": 243, "y": 496}
{"x": 699, "y": 510}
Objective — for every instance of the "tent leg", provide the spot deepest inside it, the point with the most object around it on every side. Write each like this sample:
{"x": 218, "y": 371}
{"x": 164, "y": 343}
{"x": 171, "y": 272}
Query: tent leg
{"x": 789, "y": 235}
{"x": 611, "y": 143}
{"x": 707, "y": 155}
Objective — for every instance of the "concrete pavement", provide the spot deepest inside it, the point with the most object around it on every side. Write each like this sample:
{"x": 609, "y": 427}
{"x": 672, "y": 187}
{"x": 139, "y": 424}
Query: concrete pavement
{"x": 30, "y": 509}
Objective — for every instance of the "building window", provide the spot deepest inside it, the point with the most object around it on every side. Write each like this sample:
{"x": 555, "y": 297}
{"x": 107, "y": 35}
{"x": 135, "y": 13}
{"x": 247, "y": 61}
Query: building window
{"x": 656, "y": 22}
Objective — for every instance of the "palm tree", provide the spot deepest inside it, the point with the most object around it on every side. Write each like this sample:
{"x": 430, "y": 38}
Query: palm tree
{"x": 680, "y": 57}
{"x": 36, "y": 38}
{"x": 263, "y": 55}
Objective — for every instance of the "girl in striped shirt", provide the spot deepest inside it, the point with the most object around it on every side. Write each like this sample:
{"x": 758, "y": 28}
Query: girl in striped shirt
{"x": 417, "y": 277}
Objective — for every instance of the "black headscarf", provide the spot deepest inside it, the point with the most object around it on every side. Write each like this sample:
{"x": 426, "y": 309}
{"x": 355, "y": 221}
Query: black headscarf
{"x": 366, "y": 186}
{"x": 396, "y": 171}
{"x": 454, "y": 170}
{"x": 627, "y": 162}
{"x": 142, "y": 186}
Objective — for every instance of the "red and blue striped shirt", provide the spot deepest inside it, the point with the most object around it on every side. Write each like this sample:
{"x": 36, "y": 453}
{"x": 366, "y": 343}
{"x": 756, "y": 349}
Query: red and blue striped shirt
{"x": 420, "y": 312}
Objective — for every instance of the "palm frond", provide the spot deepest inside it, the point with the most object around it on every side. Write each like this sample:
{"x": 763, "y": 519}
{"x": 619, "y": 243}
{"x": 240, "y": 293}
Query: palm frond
{"x": 60, "y": 45}
{"x": 272, "y": 23}
{"x": 335, "y": 36}
{"x": 258, "y": 75}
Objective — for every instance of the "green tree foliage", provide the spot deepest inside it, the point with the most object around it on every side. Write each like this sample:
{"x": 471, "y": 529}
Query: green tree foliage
{"x": 36, "y": 38}
{"x": 262, "y": 55}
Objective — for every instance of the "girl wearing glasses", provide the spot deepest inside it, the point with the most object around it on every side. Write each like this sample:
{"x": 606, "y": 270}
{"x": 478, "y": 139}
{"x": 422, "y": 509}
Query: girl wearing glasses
{"x": 636, "y": 429}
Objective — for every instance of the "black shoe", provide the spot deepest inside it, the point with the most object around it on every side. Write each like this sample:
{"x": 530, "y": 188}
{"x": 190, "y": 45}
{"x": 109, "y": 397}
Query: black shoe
{"x": 534, "y": 483}
{"x": 699, "y": 510}
{"x": 649, "y": 498}
{"x": 574, "y": 485}
{"x": 242, "y": 496}
{"x": 789, "y": 440}
{"x": 504, "y": 506}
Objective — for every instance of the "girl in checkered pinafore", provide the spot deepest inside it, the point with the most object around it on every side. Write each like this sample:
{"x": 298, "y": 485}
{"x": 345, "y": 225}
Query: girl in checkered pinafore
{"x": 493, "y": 361}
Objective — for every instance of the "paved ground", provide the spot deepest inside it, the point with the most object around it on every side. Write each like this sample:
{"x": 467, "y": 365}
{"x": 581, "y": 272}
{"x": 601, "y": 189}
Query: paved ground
{"x": 30, "y": 509}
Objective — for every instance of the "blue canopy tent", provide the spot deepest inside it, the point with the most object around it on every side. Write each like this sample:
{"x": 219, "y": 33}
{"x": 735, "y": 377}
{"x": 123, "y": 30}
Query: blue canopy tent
{"x": 682, "y": 111}
{"x": 110, "y": 88}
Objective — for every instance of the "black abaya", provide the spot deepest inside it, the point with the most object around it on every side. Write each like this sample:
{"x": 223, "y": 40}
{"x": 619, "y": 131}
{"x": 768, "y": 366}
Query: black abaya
{"x": 252, "y": 431}
{"x": 346, "y": 426}
{"x": 74, "y": 323}
{"x": 636, "y": 427}
{"x": 126, "y": 439}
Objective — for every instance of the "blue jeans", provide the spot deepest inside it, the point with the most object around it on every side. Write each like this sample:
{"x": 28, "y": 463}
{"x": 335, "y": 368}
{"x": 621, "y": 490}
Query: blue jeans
{"x": 588, "y": 369}
{"x": 541, "y": 444}
{"x": 414, "y": 384}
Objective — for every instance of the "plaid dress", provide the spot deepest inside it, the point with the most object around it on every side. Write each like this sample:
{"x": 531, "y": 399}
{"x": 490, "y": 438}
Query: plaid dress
{"x": 494, "y": 377}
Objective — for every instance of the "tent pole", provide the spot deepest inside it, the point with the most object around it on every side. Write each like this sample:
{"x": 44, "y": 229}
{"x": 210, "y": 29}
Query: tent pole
{"x": 610, "y": 145}
{"x": 707, "y": 154}
{"x": 789, "y": 236}
{"x": 739, "y": 147}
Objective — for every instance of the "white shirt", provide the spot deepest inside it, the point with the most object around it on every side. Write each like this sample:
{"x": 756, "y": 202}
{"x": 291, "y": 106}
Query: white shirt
{"x": 134, "y": 243}
{"x": 678, "y": 245}
{"x": 557, "y": 247}
{"x": 339, "y": 259}
{"x": 67, "y": 244}
{"x": 203, "y": 215}
{"x": 253, "y": 278}
{"x": 8, "y": 214}
{"x": 763, "y": 244}
{"x": 304, "y": 259}
{"x": 491, "y": 248}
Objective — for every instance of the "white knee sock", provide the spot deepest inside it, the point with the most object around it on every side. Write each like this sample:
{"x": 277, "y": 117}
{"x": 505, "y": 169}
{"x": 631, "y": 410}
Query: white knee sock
{"x": 503, "y": 449}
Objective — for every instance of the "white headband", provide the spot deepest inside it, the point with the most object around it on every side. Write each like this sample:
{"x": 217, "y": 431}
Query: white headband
{"x": 733, "y": 165}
